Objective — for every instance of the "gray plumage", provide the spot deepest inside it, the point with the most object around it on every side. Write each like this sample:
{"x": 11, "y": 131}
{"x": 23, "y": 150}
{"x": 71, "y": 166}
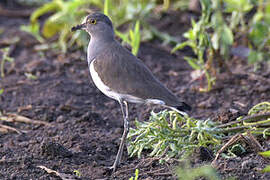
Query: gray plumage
{"x": 120, "y": 75}
{"x": 128, "y": 68}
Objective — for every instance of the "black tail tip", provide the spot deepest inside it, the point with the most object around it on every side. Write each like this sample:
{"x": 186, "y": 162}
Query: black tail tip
{"x": 184, "y": 107}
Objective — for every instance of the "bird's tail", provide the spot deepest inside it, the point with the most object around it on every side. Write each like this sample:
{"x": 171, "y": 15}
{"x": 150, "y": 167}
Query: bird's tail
{"x": 183, "y": 107}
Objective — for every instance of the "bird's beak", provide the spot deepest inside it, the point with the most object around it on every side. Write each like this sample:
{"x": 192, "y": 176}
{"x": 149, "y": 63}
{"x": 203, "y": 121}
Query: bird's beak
{"x": 80, "y": 26}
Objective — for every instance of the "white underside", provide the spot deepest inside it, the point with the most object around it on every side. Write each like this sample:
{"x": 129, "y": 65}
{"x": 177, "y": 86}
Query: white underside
{"x": 118, "y": 96}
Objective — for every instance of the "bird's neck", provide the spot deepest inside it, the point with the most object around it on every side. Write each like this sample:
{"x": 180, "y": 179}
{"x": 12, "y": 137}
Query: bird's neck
{"x": 97, "y": 46}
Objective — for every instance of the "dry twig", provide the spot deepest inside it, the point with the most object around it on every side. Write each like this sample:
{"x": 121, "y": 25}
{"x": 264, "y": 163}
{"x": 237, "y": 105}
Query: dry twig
{"x": 63, "y": 176}
{"x": 248, "y": 139}
{"x": 11, "y": 117}
{"x": 5, "y": 129}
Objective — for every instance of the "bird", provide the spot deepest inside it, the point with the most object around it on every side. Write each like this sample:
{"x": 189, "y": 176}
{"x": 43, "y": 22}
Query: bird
{"x": 120, "y": 75}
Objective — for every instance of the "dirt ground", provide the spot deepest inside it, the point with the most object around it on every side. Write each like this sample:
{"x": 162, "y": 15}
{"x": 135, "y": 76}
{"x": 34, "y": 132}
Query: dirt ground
{"x": 85, "y": 126}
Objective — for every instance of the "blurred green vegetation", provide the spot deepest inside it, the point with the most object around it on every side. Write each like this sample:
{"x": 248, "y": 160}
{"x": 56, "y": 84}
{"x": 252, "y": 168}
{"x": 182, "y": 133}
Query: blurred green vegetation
{"x": 32, "y": 2}
{"x": 266, "y": 154}
{"x": 133, "y": 38}
{"x": 136, "y": 177}
{"x": 186, "y": 172}
{"x": 5, "y": 58}
{"x": 221, "y": 25}
{"x": 65, "y": 14}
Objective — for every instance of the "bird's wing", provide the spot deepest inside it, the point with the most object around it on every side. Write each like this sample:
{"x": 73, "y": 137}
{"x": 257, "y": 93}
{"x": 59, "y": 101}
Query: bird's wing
{"x": 133, "y": 77}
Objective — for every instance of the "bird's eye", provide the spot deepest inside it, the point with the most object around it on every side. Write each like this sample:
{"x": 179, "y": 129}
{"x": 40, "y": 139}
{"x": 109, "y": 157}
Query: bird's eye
{"x": 93, "y": 21}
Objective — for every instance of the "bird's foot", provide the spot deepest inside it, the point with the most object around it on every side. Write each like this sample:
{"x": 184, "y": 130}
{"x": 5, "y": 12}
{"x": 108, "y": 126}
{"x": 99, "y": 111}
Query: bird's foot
{"x": 112, "y": 169}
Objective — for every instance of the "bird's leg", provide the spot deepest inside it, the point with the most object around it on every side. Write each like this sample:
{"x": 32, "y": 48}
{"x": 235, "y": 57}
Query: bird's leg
{"x": 126, "y": 130}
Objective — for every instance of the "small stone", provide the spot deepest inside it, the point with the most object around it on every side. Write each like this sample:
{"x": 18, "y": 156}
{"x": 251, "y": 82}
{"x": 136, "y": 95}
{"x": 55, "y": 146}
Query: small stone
{"x": 60, "y": 119}
{"x": 248, "y": 164}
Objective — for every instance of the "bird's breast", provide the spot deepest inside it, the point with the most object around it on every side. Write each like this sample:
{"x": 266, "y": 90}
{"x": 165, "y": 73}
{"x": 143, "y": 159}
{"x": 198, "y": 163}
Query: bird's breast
{"x": 99, "y": 83}
{"x": 105, "y": 89}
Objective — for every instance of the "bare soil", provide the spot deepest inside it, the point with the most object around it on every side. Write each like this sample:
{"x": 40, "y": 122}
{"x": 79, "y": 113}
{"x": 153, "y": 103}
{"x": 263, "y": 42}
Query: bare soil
{"x": 86, "y": 126}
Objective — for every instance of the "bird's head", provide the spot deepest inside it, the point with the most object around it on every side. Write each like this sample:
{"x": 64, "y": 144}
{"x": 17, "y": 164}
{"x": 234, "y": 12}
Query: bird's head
{"x": 96, "y": 24}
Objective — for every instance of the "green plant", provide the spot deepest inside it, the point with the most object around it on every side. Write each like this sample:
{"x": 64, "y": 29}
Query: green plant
{"x": 1, "y": 92}
{"x": 125, "y": 11}
{"x": 259, "y": 33}
{"x": 265, "y": 154}
{"x": 66, "y": 14}
{"x": 236, "y": 150}
{"x": 178, "y": 5}
{"x": 5, "y": 58}
{"x": 32, "y": 2}
{"x": 132, "y": 13}
{"x": 202, "y": 40}
{"x": 132, "y": 38}
{"x": 30, "y": 76}
{"x": 170, "y": 135}
{"x": 34, "y": 30}
{"x": 188, "y": 173}
{"x": 136, "y": 175}
{"x": 221, "y": 24}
